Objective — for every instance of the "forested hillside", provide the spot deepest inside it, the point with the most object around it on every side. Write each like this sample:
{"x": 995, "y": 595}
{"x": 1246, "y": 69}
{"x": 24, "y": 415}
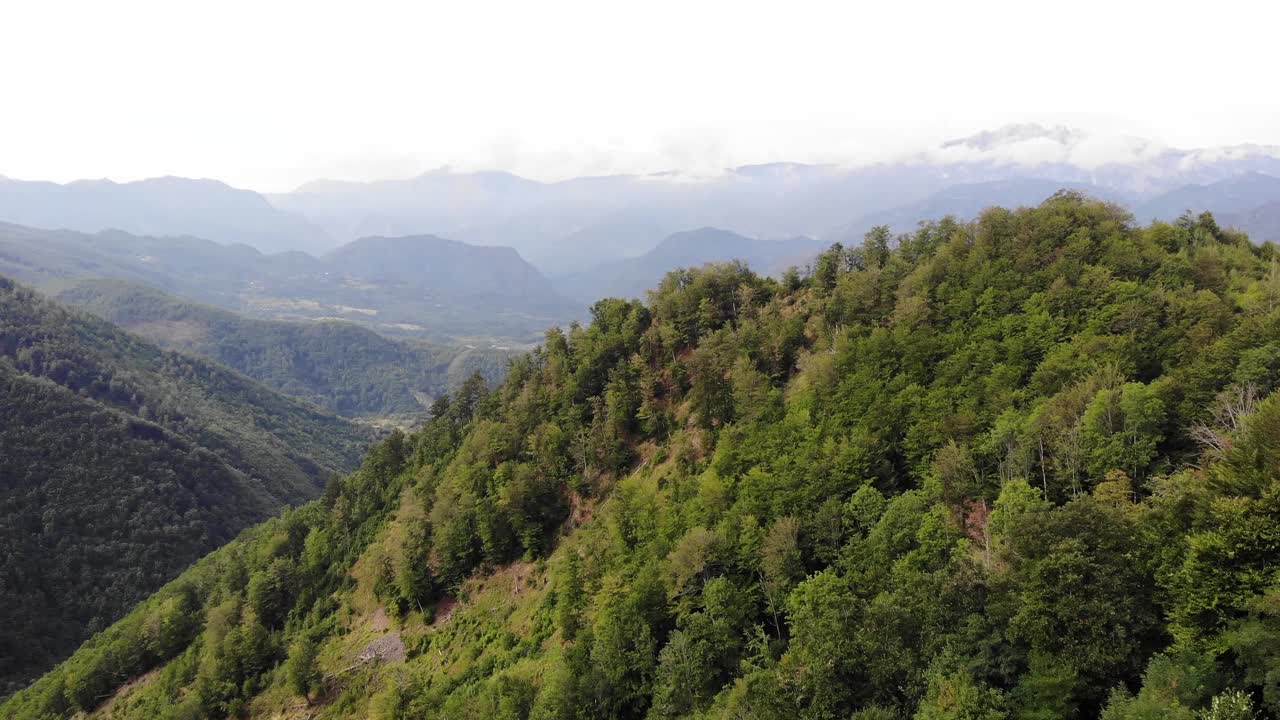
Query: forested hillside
{"x": 1027, "y": 467}
{"x": 122, "y": 464}
{"x": 339, "y": 366}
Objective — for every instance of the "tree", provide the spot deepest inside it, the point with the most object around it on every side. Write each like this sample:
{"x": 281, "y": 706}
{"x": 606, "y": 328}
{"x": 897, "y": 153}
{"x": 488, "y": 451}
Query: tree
{"x": 684, "y": 676}
{"x": 815, "y": 670}
{"x": 1047, "y": 690}
{"x": 953, "y": 694}
{"x": 301, "y": 669}
{"x": 570, "y": 596}
{"x": 624, "y": 648}
{"x": 415, "y": 583}
{"x": 1171, "y": 688}
{"x": 271, "y": 590}
{"x": 827, "y": 267}
{"x": 864, "y": 509}
{"x": 1122, "y": 429}
{"x": 1230, "y": 705}
{"x": 781, "y": 564}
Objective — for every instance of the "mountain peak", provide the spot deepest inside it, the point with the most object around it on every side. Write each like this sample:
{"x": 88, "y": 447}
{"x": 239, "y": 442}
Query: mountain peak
{"x": 675, "y": 247}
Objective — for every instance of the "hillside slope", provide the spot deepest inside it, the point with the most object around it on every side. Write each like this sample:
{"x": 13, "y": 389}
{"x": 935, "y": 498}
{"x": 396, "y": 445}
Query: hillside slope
{"x": 1024, "y": 467}
{"x": 339, "y": 366}
{"x": 123, "y": 463}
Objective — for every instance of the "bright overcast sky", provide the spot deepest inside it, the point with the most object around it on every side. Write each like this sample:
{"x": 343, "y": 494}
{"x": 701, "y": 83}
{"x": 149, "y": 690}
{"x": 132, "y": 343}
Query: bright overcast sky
{"x": 267, "y": 94}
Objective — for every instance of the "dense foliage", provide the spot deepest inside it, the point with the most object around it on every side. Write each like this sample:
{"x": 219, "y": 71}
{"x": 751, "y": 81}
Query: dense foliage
{"x": 1027, "y": 467}
{"x": 120, "y": 464}
{"x": 339, "y": 366}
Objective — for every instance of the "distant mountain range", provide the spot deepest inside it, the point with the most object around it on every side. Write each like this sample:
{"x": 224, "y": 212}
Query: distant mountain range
{"x": 374, "y": 252}
{"x": 573, "y": 225}
{"x": 417, "y": 286}
{"x": 160, "y": 206}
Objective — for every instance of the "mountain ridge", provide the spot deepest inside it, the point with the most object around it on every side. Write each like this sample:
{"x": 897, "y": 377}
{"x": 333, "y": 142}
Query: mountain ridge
{"x": 1023, "y": 466}
{"x": 168, "y": 205}
{"x": 477, "y": 294}
{"x": 568, "y": 225}
{"x": 780, "y": 199}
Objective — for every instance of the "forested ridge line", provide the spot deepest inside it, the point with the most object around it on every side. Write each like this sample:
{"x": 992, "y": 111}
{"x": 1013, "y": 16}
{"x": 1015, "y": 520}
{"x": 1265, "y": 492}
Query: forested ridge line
{"x": 1025, "y": 467}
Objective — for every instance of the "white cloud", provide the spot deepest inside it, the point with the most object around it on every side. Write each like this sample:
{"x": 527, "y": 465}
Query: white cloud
{"x": 1095, "y": 151}
{"x": 268, "y": 95}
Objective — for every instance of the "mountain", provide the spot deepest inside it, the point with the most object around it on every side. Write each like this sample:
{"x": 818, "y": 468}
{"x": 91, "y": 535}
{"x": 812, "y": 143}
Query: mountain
{"x": 431, "y": 199}
{"x": 632, "y": 277}
{"x": 123, "y": 463}
{"x": 160, "y": 206}
{"x": 1229, "y": 197}
{"x": 414, "y": 287}
{"x": 339, "y": 366}
{"x": 1024, "y": 466}
{"x": 963, "y": 202}
{"x": 569, "y": 226}
{"x": 201, "y": 269}
{"x": 618, "y": 236}
{"x": 446, "y": 267}
{"x": 572, "y": 225}
{"x": 1262, "y": 222}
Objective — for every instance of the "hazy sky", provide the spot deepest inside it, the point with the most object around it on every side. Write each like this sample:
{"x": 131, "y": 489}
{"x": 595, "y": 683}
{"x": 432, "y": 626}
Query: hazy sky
{"x": 269, "y": 94}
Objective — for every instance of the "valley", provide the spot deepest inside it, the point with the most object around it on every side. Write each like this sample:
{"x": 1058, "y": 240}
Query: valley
{"x": 342, "y": 367}
{"x": 124, "y": 463}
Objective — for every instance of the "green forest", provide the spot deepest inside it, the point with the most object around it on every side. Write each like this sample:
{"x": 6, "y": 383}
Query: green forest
{"x": 123, "y": 464}
{"x": 342, "y": 367}
{"x": 1023, "y": 467}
